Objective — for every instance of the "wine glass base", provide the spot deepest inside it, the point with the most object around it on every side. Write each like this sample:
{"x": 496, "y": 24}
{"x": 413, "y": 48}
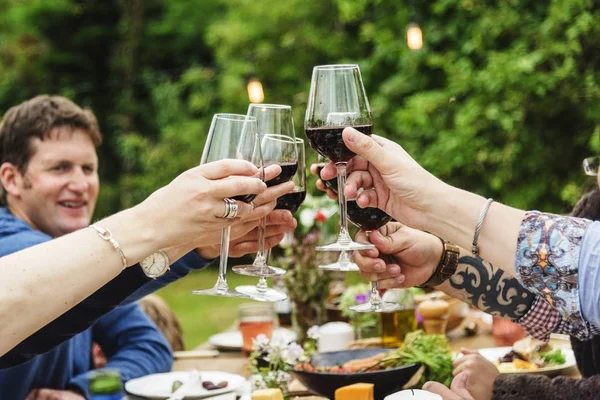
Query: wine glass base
{"x": 343, "y": 267}
{"x": 345, "y": 246}
{"x": 254, "y": 270}
{"x": 220, "y": 292}
{"x": 268, "y": 294}
{"x": 381, "y": 307}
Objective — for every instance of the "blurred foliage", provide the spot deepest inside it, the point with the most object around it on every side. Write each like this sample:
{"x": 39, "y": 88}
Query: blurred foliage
{"x": 501, "y": 100}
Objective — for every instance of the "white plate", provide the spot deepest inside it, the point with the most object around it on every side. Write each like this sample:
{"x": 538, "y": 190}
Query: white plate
{"x": 158, "y": 386}
{"x": 232, "y": 340}
{"x": 494, "y": 353}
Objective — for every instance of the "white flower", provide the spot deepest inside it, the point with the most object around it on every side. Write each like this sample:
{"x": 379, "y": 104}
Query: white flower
{"x": 293, "y": 354}
{"x": 283, "y": 377}
{"x": 260, "y": 342}
{"x": 257, "y": 382}
{"x": 313, "y": 332}
{"x": 307, "y": 217}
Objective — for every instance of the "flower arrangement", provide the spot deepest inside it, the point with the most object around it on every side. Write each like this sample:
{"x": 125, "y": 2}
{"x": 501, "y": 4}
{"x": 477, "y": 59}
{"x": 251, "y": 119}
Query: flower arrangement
{"x": 271, "y": 360}
{"x": 306, "y": 284}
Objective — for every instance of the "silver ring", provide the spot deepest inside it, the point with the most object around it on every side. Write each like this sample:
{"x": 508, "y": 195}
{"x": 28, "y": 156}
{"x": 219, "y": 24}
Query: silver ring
{"x": 227, "y": 209}
{"x": 234, "y": 209}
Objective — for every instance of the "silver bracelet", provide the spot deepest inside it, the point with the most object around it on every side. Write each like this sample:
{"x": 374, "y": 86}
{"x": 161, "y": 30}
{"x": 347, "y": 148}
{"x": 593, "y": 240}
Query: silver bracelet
{"x": 482, "y": 214}
{"x": 107, "y": 235}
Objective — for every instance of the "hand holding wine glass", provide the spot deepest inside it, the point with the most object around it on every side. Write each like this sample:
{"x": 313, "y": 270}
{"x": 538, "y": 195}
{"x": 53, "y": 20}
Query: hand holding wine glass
{"x": 231, "y": 136}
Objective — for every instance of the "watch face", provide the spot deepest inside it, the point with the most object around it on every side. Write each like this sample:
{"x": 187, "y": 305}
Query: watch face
{"x": 155, "y": 265}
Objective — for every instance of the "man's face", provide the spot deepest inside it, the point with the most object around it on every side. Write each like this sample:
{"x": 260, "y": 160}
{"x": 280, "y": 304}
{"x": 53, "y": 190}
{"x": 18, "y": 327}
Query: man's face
{"x": 58, "y": 191}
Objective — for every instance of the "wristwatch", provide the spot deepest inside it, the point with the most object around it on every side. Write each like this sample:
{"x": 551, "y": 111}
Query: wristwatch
{"x": 156, "y": 264}
{"x": 446, "y": 267}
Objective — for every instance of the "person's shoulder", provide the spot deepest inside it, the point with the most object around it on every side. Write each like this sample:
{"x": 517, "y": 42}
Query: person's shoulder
{"x": 16, "y": 234}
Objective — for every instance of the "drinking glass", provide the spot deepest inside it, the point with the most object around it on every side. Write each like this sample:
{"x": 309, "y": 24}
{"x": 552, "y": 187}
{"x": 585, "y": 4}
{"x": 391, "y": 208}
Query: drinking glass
{"x": 337, "y": 100}
{"x": 276, "y": 130}
{"x": 255, "y": 319}
{"x": 292, "y": 202}
{"x": 370, "y": 219}
{"x": 231, "y": 136}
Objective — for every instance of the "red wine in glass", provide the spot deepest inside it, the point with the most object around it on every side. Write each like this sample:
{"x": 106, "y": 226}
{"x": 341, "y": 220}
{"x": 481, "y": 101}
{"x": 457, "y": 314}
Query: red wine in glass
{"x": 288, "y": 170}
{"x": 328, "y": 141}
{"x": 291, "y": 201}
{"x": 368, "y": 219}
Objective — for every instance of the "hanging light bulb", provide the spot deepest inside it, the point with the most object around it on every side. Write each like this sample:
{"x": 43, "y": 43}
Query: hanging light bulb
{"x": 414, "y": 36}
{"x": 255, "y": 91}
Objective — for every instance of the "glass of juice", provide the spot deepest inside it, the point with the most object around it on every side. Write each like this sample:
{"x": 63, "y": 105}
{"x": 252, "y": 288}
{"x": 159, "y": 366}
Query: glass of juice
{"x": 254, "y": 319}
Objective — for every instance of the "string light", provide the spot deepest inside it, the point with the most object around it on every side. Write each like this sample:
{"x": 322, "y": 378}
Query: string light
{"x": 255, "y": 91}
{"x": 414, "y": 36}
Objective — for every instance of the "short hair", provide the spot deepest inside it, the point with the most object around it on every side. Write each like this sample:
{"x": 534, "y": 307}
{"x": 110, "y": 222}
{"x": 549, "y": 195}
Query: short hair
{"x": 35, "y": 118}
{"x": 164, "y": 318}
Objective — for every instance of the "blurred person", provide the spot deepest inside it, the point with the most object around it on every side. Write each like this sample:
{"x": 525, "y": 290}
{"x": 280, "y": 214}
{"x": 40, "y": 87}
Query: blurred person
{"x": 50, "y": 184}
{"x": 163, "y": 316}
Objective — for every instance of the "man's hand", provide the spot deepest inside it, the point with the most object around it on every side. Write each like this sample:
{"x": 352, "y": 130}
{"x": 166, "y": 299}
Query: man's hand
{"x": 52, "y": 394}
{"x": 484, "y": 373}
{"x": 278, "y": 223}
{"x": 403, "y": 257}
{"x": 321, "y": 185}
{"x": 458, "y": 388}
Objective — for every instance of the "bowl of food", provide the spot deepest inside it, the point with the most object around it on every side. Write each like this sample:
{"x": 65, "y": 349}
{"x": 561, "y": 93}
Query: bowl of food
{"x": 328, "y": 371}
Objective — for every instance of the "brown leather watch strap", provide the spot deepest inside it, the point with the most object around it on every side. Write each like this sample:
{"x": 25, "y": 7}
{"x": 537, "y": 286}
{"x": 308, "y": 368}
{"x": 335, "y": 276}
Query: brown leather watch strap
{"x": 446, "y": 267}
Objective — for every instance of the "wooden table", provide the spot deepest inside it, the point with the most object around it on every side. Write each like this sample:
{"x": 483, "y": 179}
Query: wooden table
{"x": 235, "y": 362}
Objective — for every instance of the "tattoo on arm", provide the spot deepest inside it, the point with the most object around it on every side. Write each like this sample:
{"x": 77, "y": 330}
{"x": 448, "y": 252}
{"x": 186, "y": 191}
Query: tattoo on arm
{"x": 489, "y": 289}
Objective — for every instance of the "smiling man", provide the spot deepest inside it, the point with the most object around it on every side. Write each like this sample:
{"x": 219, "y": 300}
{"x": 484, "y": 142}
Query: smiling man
{"x": 49, "y": 180}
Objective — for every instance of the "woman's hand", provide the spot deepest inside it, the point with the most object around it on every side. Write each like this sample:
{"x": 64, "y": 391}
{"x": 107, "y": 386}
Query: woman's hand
{"x": 191, "y": 207}
{"x": 484, "y": 373}
{"x": 403, "y": 257}
{"x": 400, "y": 186}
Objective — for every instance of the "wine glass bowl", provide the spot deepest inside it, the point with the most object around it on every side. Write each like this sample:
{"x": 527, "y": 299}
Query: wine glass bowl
{"x": 337, "y": 100}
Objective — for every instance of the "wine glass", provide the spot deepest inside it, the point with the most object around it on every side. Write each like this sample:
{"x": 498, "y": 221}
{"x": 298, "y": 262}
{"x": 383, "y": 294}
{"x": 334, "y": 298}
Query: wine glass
{"x": 292, "y": 202}
{"x": 230, "y": 136}
{"x": 337, "y": 100}
{"x": 370, "y": 219}
{"x": 276, "y": 130}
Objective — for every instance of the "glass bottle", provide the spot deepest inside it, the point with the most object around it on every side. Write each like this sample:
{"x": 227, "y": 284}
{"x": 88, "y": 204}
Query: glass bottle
{"x": 106, "y": 384}
{"x": 396, "y": 324}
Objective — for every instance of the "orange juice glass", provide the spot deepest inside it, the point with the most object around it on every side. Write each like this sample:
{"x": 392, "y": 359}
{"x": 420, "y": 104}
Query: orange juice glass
{"x": 254, "y": 319}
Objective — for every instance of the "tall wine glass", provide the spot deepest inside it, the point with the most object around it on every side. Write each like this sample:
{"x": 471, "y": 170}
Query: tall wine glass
{"x": 337, "y": 100}
{"x": 292, "y": 202}
{"x": 230, "y": 136}
{"x": 370, "y": 219}
{"x": 276, "y": 130}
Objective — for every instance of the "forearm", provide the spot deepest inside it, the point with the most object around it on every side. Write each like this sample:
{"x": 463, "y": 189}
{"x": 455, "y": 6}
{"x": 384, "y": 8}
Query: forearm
{"x": 42, "y": 282}
{"x": 455, "y": 220}
{"x": 487, "y": 288}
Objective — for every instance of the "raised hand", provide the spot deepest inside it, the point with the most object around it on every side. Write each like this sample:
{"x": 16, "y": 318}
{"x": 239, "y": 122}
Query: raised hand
{"x": 403, "y": 257}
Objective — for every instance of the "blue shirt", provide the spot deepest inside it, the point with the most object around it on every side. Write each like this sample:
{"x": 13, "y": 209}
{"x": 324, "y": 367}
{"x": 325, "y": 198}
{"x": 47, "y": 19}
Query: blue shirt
{"x": 129, "y": 286}
{"x": 589, "y": 274}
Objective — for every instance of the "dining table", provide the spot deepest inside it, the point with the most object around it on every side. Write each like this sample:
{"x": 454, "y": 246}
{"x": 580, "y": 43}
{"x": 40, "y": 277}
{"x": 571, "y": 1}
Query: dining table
{"x": 205, "y": 358}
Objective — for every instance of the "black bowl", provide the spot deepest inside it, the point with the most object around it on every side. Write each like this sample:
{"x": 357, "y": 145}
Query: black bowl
{"x": 386, "y": 381}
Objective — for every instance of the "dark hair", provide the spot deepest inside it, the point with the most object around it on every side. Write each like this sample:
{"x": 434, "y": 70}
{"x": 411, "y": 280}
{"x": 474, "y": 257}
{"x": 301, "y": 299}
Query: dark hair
{"x": 35, "y": 118}
{"x": 588, "y": 206}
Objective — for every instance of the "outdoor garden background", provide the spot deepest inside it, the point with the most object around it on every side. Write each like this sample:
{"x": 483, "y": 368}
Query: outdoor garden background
{"x": 503, "y": 98}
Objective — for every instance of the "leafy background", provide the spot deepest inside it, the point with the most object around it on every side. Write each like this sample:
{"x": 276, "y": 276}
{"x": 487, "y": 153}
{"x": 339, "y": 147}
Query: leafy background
{"x": 502, "y": 100}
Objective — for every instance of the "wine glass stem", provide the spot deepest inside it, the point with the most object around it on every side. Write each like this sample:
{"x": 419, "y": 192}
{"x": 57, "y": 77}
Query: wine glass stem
{"x": 343, "y": 237}
{"x": 222, "y": 280}
{"x": 262, "y": 286}
{"x": 344, "y": 258}
{"x": 261, "y": 256}
{"x": 375, "y": 298}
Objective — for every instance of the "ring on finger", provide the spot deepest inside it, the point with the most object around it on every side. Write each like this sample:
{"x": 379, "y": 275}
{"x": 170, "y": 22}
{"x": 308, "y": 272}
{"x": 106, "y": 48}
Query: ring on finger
{"x": 234, "y": 209}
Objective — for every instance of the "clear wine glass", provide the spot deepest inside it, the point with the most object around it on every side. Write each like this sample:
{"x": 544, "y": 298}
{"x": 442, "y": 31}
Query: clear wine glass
{"x": 231, "y": 136}
{"x": 292, "y": 202}
{"x": 276, "y": 130}
{"x": 370, "y": 219}
{"x": 337, "y": 100}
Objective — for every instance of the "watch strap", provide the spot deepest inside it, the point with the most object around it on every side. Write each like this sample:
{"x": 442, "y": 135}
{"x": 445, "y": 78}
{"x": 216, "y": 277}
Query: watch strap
{"x": 446, "y": 267}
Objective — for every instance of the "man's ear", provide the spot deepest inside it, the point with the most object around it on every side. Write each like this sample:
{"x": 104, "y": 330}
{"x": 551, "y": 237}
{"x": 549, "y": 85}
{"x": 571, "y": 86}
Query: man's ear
{"x": 11, "y": 179}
